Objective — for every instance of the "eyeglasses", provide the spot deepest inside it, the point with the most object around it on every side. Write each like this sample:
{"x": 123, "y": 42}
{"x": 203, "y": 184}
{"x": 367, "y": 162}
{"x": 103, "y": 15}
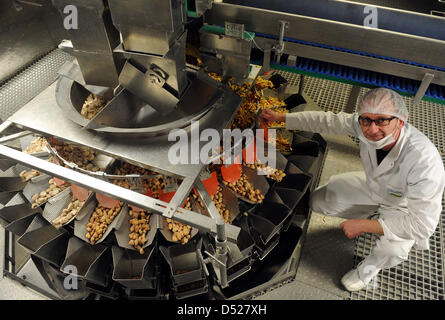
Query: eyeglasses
{"x": 381, "y": 122}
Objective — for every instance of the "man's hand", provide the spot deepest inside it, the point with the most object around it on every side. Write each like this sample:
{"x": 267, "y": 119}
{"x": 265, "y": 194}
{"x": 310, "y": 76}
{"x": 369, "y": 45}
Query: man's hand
{"x": 273, "y": 116}
{"x": 355, "y": 227}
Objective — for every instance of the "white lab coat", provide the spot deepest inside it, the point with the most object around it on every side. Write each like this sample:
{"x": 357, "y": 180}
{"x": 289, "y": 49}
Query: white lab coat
{"x": 407, "y": 186}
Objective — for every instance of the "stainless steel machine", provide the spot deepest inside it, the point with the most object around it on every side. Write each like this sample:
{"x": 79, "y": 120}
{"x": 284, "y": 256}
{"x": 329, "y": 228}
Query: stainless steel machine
{"x": 136, "y": 55}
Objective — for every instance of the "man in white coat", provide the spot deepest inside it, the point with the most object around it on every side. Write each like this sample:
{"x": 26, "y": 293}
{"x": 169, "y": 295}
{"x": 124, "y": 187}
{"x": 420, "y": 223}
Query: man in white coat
{"x": 403, "y": 180}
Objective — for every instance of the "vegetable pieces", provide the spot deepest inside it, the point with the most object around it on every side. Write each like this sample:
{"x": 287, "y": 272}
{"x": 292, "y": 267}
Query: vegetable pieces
{"x": 274, "y": 174}
{"x": 81, "y": 156}
{"x": 40, "y": 198}
{"x": 246, "y": 189}
{"x": 37, "y": 145}
{"x": 99, "y": 222}
{"x": 68, "y": 213}
{"x": 28, "y": 175}
{"x": 92, "y": 106}
{"x": 139, "y": 226}
{"x": 217, "y": 198}
{"x": 181, "y": 232}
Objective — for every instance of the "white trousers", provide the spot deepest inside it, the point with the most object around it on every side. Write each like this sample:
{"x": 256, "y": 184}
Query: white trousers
{"x": 348, "y": 196}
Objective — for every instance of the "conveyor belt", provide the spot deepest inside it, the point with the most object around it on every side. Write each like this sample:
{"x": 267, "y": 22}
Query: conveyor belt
{"x": 407, "y": 87}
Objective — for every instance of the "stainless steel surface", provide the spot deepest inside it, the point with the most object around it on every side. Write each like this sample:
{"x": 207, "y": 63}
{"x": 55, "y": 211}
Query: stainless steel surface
{"x": 71, "y": 69}
{"x": 123, "y": 232}
{"x": 93, "y": 41}
{"x": 27, "y": 35}
{"x": 428, "y": 77}
{"x": 11, "y": 184}
{"x": 328, "y": 32}
{"x": 210, "y": 205}
{"x": 92, "y": 34}
{"x": 180, "y": 195}
{"x": 19, "y": 90}
{"x": 53, "y": 208}
{"x": 38, "y": 116}
{"x": 232, "y": 54}
{"x": 97, "y": 68}
{"x": 148, "y": 26}
{"x": 92, "y": 263}
{"x": 181, "y": 215}
{"x": 148, "y": 89}
{"x": 5, "y": 125}
{"x": 33, "y": 275}
{"x": 45, "y": 241}
{"x": 14, "y": 136}
{"x": 132, "y": 269}
{"x": 2, "y": 252}
{"x": 352, "y": 101}
{"x": 17, "y": 218}
{"x": 219, "y": 43}
{"x": 168, "y": 68}
{"x": 284, "y": 25}
{"x": 126, "y": 115}
{"x": 184, "y": 261}
{"x": 222, "y": 252}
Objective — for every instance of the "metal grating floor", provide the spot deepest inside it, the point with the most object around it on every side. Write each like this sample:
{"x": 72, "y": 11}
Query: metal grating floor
{"x": 421, "y": 277}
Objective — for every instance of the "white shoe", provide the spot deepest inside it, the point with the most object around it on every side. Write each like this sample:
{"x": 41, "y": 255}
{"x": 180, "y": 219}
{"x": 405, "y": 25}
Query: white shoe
{"x": 352, "y": 282}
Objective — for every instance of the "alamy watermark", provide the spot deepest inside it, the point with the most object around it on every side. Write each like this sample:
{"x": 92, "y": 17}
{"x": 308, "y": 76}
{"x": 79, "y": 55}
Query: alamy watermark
{"x": 374, "y": 283}
{"x": 371, "y": 20}
{"x": 204, "y": 147}
{"x": 71, "y": 281}
{"x": 71, "y": 20}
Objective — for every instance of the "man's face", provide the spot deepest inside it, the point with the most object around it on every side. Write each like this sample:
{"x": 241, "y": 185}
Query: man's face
{"x": 374, "y": 132}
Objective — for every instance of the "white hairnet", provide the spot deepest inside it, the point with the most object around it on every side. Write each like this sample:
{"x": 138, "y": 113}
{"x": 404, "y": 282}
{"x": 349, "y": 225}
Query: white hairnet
{"x": 383, "y": 101}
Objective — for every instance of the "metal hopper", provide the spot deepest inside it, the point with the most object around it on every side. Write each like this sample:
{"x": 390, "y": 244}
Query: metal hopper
{"x": 229, "y": 199}
{"x": 134, "y": 270}
{"x": 239, "y": 255}
{"x": 10, "y": 184}
{"x": 307, "y": 164}
{"x": 187, "y": 268}
{"x": 281, "y": 162}
{"x": 56, "y": 204}
{"x": 257, "y": 181}
{"x": 26, "y": 141}
{"x": 239, "y": 259}
{"x": 267, "y": 219}
{"x": 45, "y": 241}
{"x": 262, "y": 250}
{"x": 292, "y": 188}
{"x": 17, "y": 218}
{"x": 6, "y": 196}
{"x": 92, "y": 263}
{"x": 166, "y": 232}
{"x": 302, "y": 145}
{"x": 83, "y": 217}
{"x": 122, "y": 233}
{"x": 6, "y": 163}
{"x": 36, "y": 185}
